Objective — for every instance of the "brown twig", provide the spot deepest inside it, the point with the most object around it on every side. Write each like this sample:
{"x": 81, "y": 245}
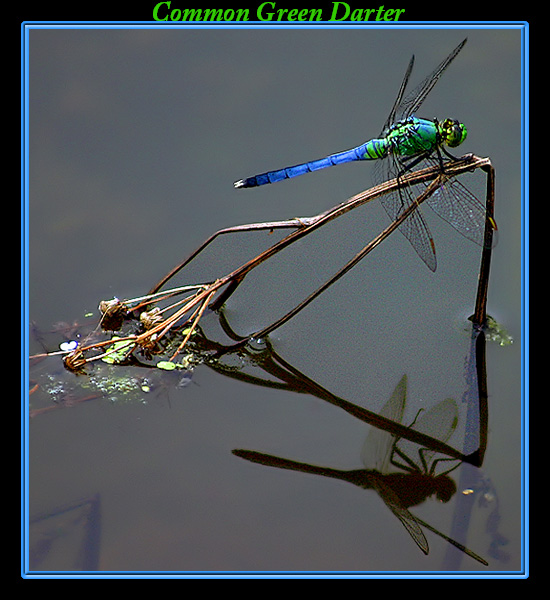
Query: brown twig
{"x": 480, "y": 314}
{"x": 306, "y": 225}
{"x": 195, "y": 305}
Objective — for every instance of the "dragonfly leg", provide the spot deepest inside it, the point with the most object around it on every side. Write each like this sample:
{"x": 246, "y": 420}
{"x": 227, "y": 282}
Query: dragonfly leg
{"x": 436, "y": 461}
{"x": 413, "y": 162}
{"x": 410, "y": 466}
{"x": 405, "y": 167}
{"x": 409, "y": 166}
{"x": 447, "y": 153}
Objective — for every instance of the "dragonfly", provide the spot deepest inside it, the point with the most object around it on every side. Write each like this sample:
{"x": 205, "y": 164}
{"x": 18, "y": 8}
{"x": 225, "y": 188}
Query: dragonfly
{"x": 408, "y": 143}
{"x": 400, "y": 480}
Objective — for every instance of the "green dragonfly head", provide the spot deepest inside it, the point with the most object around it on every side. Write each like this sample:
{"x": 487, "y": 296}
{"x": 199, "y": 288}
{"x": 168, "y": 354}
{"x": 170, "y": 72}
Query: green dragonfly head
{"x": 452, "y": 132}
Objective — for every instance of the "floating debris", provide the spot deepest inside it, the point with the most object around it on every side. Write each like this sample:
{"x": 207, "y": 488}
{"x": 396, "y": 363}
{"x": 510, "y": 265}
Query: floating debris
{"x": 495, "y": 332}
{"x": 118, "y": 351}
{"x": 113, "y": 314}
{"x": 151, "y": 318}
{"x": 75, "y": 361}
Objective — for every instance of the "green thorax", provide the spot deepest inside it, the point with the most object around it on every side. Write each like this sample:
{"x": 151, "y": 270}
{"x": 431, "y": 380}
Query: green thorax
{"x": 415, "y": 136}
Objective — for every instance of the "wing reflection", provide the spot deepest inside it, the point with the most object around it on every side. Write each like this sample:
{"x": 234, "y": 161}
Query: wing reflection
{"x": 400, "y": 480}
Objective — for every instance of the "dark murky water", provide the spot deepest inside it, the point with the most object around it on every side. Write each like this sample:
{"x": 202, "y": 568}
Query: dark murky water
{"x": 136, "y": 137}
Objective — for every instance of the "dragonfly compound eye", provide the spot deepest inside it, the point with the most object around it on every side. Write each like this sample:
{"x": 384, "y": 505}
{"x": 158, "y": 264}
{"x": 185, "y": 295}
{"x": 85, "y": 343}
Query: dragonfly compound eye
{"x": 454, "y": 133}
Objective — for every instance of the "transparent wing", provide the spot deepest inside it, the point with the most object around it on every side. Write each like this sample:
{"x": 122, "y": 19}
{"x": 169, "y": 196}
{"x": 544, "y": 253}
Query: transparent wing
{"x": 454, "y": 203}
{"x": 412, "y": 101}
{"x": 407, "y": 519}
{"x": 391, "y": 117}
{"x": 377, "y": 448}
{"x": 439, "y": 422}
{"x": 414, "y": 228}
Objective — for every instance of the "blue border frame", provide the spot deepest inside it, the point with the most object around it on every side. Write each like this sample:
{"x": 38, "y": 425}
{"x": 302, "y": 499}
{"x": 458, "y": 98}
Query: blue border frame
{"x": 25, "y": 572}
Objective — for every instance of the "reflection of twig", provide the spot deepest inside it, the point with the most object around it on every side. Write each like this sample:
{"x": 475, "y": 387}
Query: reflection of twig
{"x": 396, "y": 429}
{"x": 394, "y": 496}
{"x": 64, "y": 403}
{"x": 62, "y": 523}
{"x": 211, "y": 353}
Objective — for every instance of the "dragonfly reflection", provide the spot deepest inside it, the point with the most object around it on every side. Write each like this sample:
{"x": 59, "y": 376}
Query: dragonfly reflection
{"x": 400, "y": 479}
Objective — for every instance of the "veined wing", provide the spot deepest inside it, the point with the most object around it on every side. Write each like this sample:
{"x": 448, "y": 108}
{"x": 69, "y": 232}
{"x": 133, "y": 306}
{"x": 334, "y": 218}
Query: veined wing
{"x": 439, "y": 422}
{"x": 378, "y": 446}
{"x": 407, "y": 519}
{"x": 376, "y": 454}
{"x": 404, "y": 108}
{"x": 412, "y": 102}
{"x": 414, "y": 227}
{"x": 454, "y": 203}
{"x": 391, "y": 117}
